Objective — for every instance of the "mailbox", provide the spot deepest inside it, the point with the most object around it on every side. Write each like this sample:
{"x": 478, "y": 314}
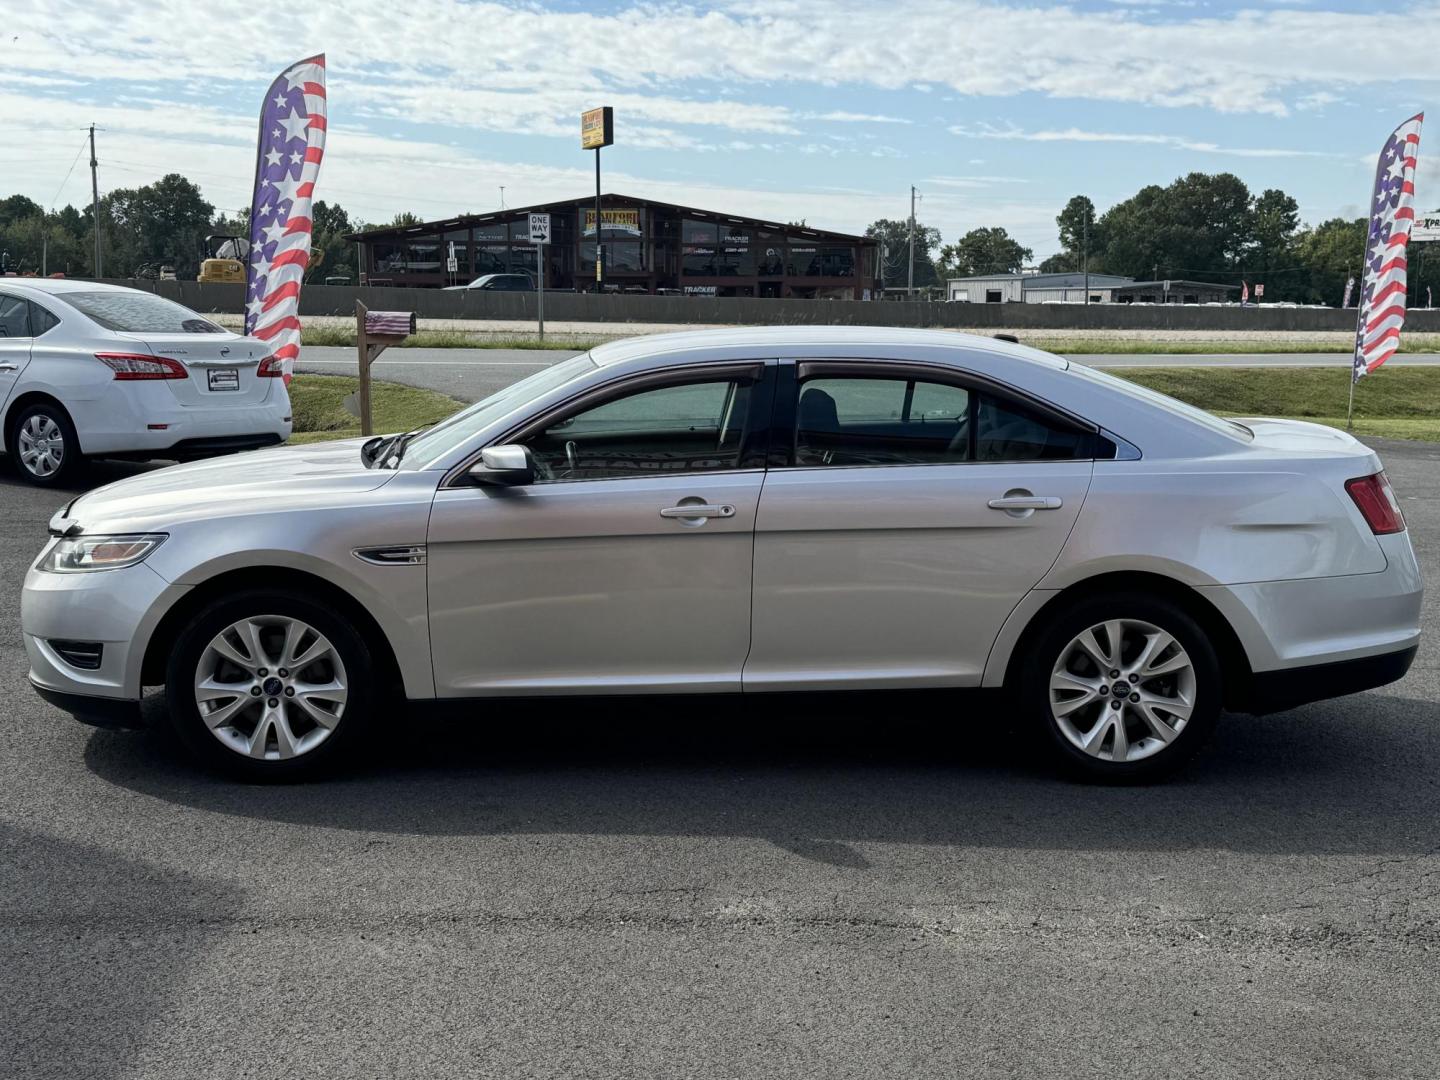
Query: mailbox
{"x": 389, "y": 323}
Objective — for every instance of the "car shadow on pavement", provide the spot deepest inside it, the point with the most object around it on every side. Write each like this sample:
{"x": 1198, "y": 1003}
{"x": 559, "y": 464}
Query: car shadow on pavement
{"x": 1352, "y": 776}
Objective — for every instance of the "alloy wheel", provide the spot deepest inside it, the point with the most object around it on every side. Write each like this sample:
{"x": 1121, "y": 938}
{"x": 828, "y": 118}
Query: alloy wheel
{"x": 271, "y": 687}
{"x": 41, "y": 444}
{"x": 1122, "y": 690}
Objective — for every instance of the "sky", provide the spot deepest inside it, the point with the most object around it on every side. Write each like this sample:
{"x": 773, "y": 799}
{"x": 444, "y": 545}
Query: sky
{"x": 997, "y": 112}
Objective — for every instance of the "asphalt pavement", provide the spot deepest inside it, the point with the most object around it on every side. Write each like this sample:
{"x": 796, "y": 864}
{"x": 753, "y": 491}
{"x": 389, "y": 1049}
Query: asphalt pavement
{"x": 471, "y": 374}
{"x": 885, "y": 887}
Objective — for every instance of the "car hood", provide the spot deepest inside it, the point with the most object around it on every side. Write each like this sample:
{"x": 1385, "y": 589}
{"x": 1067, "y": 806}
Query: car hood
{"x": 288, "y": 477}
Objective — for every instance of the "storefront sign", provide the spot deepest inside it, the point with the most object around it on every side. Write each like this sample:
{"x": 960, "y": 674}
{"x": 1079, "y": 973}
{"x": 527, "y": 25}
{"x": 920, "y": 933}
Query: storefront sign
{"x": 624, "y": 221}
{"x": 1426, "y": 227}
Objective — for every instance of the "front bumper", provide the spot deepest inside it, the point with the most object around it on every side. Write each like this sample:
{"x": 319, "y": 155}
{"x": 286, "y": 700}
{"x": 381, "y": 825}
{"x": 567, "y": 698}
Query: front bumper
{"x": 95, "y": 711}
{"x": 116, "y": 609}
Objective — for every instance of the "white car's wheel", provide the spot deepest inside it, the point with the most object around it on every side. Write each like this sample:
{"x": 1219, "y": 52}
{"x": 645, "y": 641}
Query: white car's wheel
{"x": 1125, "y": 687}
{"x": 269, "y": 686}
{"x": 43, "y": 444}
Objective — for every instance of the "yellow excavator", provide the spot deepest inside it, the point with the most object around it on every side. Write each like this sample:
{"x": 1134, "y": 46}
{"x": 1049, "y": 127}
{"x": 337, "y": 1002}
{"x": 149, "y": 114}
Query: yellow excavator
{"x": 226, "y": 255}
{"x": 225, "y": 259}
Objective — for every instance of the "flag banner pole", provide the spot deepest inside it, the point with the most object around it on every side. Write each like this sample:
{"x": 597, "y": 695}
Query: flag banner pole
{"x": 1381, "y": 313}
{"x": 290, "y": 148}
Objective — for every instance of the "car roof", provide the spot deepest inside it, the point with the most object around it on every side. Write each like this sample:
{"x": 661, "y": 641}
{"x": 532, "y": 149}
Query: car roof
{"x": 53, "y": 286}
{"x": 806, "y": 340}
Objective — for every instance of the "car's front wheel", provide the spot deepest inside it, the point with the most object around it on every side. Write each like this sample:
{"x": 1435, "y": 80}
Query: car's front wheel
{"x": 43, "y": 444}
{"x": 1125, "y": 687}
{"x": 269, "y": 686}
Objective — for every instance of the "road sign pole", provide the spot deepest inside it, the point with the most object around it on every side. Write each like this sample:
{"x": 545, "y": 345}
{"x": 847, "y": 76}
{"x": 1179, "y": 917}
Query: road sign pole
{"x": 540, "y": 295}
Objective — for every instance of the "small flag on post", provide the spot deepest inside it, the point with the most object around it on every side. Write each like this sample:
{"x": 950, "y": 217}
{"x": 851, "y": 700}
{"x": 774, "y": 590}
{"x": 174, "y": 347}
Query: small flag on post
{"x": 1244, "y": 292}
{"x": 291, "y": 147}
{"x": 1392, "y": 212}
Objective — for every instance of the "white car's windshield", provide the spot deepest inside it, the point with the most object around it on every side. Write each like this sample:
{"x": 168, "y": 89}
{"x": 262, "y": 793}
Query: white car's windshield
{"x": 450, "y": 433}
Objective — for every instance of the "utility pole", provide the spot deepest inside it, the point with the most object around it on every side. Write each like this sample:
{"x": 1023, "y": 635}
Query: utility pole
{"x": 502, "y": 196}
{"x": 910, "y": 279}
{"x": 1085, "y": 257}
{"x": 599, "y": 250}
{"x": 95, "y": 200}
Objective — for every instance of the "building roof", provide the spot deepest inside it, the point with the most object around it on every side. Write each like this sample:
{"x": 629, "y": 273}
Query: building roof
{"x": 509, "y": 213}
{"x": 1176, "y": 283}
{"x": 1066, "y": 280}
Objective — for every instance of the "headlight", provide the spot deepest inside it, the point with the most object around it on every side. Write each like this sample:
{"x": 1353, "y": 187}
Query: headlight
{"x": 82, "y": 554}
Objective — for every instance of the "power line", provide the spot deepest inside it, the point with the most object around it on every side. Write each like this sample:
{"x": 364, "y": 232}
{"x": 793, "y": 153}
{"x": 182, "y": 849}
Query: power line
{"x": 56, "y": 197}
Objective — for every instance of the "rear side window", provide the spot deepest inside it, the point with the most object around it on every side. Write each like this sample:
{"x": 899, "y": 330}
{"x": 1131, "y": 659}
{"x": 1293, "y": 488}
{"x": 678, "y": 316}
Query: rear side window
{"x": 41, "y": 321}
{"x": 858, "y": 420}
{"x": 133, "y": 312}
{"x": 14, "y": 317}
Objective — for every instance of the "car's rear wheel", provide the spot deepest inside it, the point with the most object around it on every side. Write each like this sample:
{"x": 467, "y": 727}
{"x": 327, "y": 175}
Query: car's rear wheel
{"x": 43, "y": 444}
{"x": 269, "y": 686}
{"x": 1125, "y": 687}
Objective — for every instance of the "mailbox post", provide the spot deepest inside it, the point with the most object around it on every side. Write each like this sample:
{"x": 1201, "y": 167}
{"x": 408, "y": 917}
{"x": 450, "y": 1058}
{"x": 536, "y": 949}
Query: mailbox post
{"x": 376, "y": 331}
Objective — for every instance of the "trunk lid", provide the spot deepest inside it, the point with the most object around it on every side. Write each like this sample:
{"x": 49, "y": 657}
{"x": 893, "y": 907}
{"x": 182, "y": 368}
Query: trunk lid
{"x": 1299, "y": 437}
{"x": 222, "y": 367}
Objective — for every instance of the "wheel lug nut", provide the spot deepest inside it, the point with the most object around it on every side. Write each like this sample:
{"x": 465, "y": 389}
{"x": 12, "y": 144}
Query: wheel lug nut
{"x": 254, "y": 691}
{"x": 1114, "y": 703}
{"x": 283, "y": 673}
{"x": 1104, "y": 690}
{"x": 263, "y": 672}
{"x": 1114, "y": 674}
{"x": 1134, "y": 678}
{"x": 290, "y": 691}
{"x": 273, "y": 702}
{"x": 1134, "y": 697}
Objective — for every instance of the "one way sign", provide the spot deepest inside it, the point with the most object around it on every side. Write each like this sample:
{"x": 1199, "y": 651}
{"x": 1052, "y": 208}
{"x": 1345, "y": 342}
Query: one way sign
{"x": 539, "y": 228}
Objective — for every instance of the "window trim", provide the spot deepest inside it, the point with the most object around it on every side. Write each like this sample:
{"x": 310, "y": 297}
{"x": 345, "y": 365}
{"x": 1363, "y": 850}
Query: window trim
{"x": 55, "y": 319}
{"x": 786, "y": 427}
{"x": 754, "y": 447}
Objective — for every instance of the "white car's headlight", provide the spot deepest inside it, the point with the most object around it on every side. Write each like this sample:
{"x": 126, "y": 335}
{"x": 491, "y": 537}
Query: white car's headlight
{"x": 83, "y": 554}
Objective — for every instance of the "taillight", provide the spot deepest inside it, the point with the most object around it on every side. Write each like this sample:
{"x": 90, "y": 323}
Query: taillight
{"x": 130, "y": 367}
{"x": 1376, "y": 500}
{"x": 272, "y": 367}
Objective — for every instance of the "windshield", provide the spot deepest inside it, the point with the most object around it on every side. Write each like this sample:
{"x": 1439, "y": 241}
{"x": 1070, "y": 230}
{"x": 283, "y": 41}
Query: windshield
{"x": 1165, "y": 401}
{"x": 448, "y": 434}
{"x": 133, "y": 312}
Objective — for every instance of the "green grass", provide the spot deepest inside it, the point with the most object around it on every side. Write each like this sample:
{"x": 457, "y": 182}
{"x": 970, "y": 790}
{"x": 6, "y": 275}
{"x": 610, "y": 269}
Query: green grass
{"x": 1228, "y": 347}
{"x": 1397, "y": 403}
{"x": 318, "y": 405}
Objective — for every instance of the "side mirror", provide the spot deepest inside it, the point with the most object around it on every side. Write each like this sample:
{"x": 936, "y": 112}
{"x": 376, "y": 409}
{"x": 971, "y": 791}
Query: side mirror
{"x": 504, "y": 466}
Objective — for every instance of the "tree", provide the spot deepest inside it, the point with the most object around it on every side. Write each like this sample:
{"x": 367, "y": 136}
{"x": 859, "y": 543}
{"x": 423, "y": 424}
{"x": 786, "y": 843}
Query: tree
{"x": 1077, "y": 222}
{"x": 1275, "y": 221}
{"x": 1330, "y": 253}
{"x": 405, "y": 217}
{"x": 1201, "y": 224}
{"x": 164, "y": 222}
{"x": 984, "y": 251}
{"x": 894, "y": 237}
{"x": 330, "y": 224}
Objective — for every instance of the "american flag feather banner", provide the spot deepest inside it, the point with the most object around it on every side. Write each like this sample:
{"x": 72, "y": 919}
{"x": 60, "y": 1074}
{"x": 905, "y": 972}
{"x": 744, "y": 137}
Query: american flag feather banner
{"x": 1392, "y": 212}
{"x": 287, "y": 161}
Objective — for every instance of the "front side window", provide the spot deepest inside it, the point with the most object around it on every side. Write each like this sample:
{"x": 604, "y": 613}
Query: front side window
{"x": 695, "y": 427}
{"x": 133, "y": 312}
{"x": 14, "y": 318}
{"x": 861, "y": 420}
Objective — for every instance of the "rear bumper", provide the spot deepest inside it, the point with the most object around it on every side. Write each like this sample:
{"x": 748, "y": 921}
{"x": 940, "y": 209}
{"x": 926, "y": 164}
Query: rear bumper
{"x": 129, "y": 425}
{"x": 1273, "y": 691}
{"x": 95, "y": 711}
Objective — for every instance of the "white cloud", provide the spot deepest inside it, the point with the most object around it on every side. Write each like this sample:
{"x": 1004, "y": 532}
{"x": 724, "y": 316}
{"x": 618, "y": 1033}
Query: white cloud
{"x": 1178, "y": 142}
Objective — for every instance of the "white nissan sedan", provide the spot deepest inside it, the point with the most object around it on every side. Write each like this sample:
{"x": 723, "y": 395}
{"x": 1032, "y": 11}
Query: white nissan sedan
{"x": 745, "y": 510}
{"x": 93, "y": 370}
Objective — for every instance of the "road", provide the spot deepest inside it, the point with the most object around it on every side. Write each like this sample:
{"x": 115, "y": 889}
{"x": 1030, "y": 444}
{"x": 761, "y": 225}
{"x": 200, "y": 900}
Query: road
{"x": 470, "y": 374}
{"x": 724, "y": 888}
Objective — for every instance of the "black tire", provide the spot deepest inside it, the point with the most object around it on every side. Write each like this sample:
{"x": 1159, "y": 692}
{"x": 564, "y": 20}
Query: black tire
{"x": 71, "y": 459}
{"x": 1044, "y": 653}
{"x": 347, "y": 732}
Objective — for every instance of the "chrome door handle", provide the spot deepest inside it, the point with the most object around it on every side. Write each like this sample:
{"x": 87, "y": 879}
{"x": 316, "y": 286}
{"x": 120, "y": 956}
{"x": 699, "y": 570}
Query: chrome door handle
{"x": 5, "y": 365}
{"x": 1026, "y": 502}
{"x": 699, "y": 510}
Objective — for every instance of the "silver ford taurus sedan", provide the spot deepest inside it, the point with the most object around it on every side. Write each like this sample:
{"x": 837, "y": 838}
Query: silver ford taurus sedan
{"x": 745, "y": 510}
